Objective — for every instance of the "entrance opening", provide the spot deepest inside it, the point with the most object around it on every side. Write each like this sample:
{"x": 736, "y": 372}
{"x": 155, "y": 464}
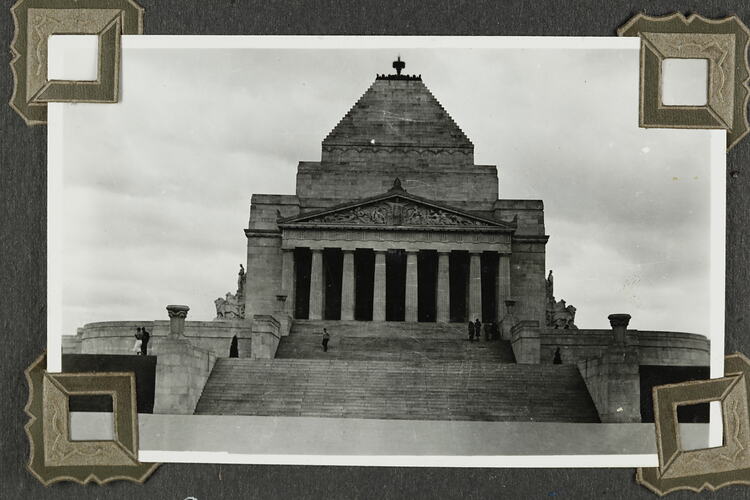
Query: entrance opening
{"x": 459, "y": 285}
{"x": 395, "y": 285}
{"x": 302, "y": 266}
{"x": 489, "y": 290}
{"x": 364, "y": 274}
{"x": 427, "y": 262}
{"x": 333, "y": 262}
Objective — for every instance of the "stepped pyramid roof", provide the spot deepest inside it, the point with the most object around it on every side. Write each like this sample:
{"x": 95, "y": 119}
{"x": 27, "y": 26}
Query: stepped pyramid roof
{"x": 398, "y": 111}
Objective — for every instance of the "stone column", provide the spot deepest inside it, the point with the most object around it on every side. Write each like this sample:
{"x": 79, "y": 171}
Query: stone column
{"x": 177, "y": 315}
{"x": 287, "y": 280}
{"x": 347, "y": 286}
{"x": 443, "y": 288}
{"x": 412, "y": 293}
{"x": 475, "y": 286}
{"x": 316, "y": 284}
{"x": 502, "y": 293}
{"x": 378, "y": 294}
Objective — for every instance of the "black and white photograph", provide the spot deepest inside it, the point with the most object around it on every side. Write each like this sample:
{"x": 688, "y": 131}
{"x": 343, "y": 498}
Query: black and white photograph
{"x": 362, "y": 250}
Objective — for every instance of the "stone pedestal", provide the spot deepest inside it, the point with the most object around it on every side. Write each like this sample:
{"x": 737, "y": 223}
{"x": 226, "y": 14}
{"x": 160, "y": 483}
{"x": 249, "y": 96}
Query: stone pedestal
{"x": 316, "y": 285}
{"x": 509, "y": 320}
{"x": 613, "y": 378}
{"x": 265, "y": 336}
{"x": 443, "y": 288}
{"x": 347, "y": 286}
{"x": 614, "y": 384}
{"x": 412, "y": 298}
{"x": 525, "y": 339}
{"x": 475, "y": 287}
{"x": 181, "y": 369}
{"x": 378, "y": 295}
{"x": 177, "y": 315}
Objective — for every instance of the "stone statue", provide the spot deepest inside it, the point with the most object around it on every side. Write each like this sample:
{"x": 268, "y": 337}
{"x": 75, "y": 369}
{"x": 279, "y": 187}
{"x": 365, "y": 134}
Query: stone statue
{"x": 229, "y": 307}
{"x": 232, "y": 306}
{"x": 559, "y": 315}
{"x": 241, "y": 282}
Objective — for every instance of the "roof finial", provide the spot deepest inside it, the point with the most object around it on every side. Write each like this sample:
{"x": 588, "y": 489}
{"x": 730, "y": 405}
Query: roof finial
{"x": 397, "y": 185}
{"x": 398, "y": 65}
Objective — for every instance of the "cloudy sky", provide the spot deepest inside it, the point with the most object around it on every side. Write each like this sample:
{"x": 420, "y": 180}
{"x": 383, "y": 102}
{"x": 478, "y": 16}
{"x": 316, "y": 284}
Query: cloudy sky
{"x": 157, "y": 187}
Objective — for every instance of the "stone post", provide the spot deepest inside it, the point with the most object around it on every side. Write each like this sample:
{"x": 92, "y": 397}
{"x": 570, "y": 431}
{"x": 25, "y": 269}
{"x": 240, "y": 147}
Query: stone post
{"x": 475, "y": 286}
{"x": 347, "y": 286}
{"x": 619, "y": 323}
{"x": 412, "y": 294}
{"x": 443, "y": 288}
{"x": 177, "y": 315}
{"x": 316, "y": 284}
{"x": 378, "y": 294}
{"x": 613, "y": 378}
{"x": 502, "y": 281}
{"x": 265, "y": 336}
{"x": 287, "y": 280}
{"x": 526, "y": 342}
{"x": 181, "y": 368}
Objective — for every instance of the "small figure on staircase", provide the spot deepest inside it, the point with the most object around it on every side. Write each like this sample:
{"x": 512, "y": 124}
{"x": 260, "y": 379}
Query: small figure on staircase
{"x": 326, "y": 338}
{"x": 478, "y": 329}
{"x": 145, "y": 336}
{"x": 557, "y": 359}
{"x": 471, "y": 331}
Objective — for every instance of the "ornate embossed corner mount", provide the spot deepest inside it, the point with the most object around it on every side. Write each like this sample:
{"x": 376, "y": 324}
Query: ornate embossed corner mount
{"x": 723, "y": 42}
{"x": 710, "y": 468}
{"x": 54, "y": 456}
{"x": 36, "y": 20}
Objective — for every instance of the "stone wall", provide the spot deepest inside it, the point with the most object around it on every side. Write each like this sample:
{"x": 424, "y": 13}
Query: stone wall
{"x": 263, "y": 273}
{"x": 614, "y": 384}
{"x": 468, "y": 187}
{"x": 181, "y": 373}
{"x": 529, "y": 215}
{"x": 654, "y": 347}
{"x": 117, "y": 337}
{"x": 527, "y": 280}
{"x": 525, "y": 342}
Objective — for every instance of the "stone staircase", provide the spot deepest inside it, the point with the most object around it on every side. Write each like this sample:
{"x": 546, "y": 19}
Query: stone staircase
{"x": 417, "y": 390}
{"x": 390, "y": 341}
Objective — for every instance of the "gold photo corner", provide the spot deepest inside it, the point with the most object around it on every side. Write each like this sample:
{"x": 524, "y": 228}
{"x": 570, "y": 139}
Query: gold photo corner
{"x": 723, "y": 43}
{"x": 53, "y": 456}
{"x": 710, "y": 468}
{"x": 36, "y": 20}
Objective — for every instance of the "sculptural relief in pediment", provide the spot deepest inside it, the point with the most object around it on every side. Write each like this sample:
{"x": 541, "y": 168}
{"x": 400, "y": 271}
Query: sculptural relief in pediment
{"x": 397, "y": 213}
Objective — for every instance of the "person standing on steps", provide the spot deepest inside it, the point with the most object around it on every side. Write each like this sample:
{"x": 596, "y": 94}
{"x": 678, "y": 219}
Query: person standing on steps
{"x": 145, "y": 336}
{"x": 471, "y": 331}
{"x": 478, "y": 329}
{"x": 138, "y": 342}
{"x": 326, "y": 338}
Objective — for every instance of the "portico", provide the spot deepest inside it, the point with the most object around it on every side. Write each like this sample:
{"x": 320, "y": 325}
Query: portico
{"x": 395, "y": 257}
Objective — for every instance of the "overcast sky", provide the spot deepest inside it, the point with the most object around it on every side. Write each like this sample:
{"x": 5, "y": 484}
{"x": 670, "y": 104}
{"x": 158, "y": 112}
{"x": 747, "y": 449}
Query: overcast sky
{"x": 157, "y": 187}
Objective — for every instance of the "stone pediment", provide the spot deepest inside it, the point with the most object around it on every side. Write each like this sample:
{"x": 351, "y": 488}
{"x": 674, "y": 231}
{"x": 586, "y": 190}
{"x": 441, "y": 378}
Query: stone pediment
{"x": 396, "y": 209}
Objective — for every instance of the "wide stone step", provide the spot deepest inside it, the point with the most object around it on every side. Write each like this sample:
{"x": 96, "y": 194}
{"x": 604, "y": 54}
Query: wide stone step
{"x": 448, "y": 390}
{"x": 390, "y": 340}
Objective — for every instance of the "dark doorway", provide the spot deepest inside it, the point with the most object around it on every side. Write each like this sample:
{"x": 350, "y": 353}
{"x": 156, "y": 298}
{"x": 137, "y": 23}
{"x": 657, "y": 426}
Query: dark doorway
{"x": 395, "y": 285}
{"x": 364, "y": 273}
{"x": 459, "y": 281}
{"x": 427, "y": 262}
{"x": 489, "y": 290}
{"x": 302, "y": 266}
{"x": 333, "y": 261}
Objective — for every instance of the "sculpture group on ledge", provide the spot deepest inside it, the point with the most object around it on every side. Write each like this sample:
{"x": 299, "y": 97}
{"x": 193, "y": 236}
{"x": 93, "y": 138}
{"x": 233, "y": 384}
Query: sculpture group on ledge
{"x": 559, "y": 315}
{"x": 233, "y": 305}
